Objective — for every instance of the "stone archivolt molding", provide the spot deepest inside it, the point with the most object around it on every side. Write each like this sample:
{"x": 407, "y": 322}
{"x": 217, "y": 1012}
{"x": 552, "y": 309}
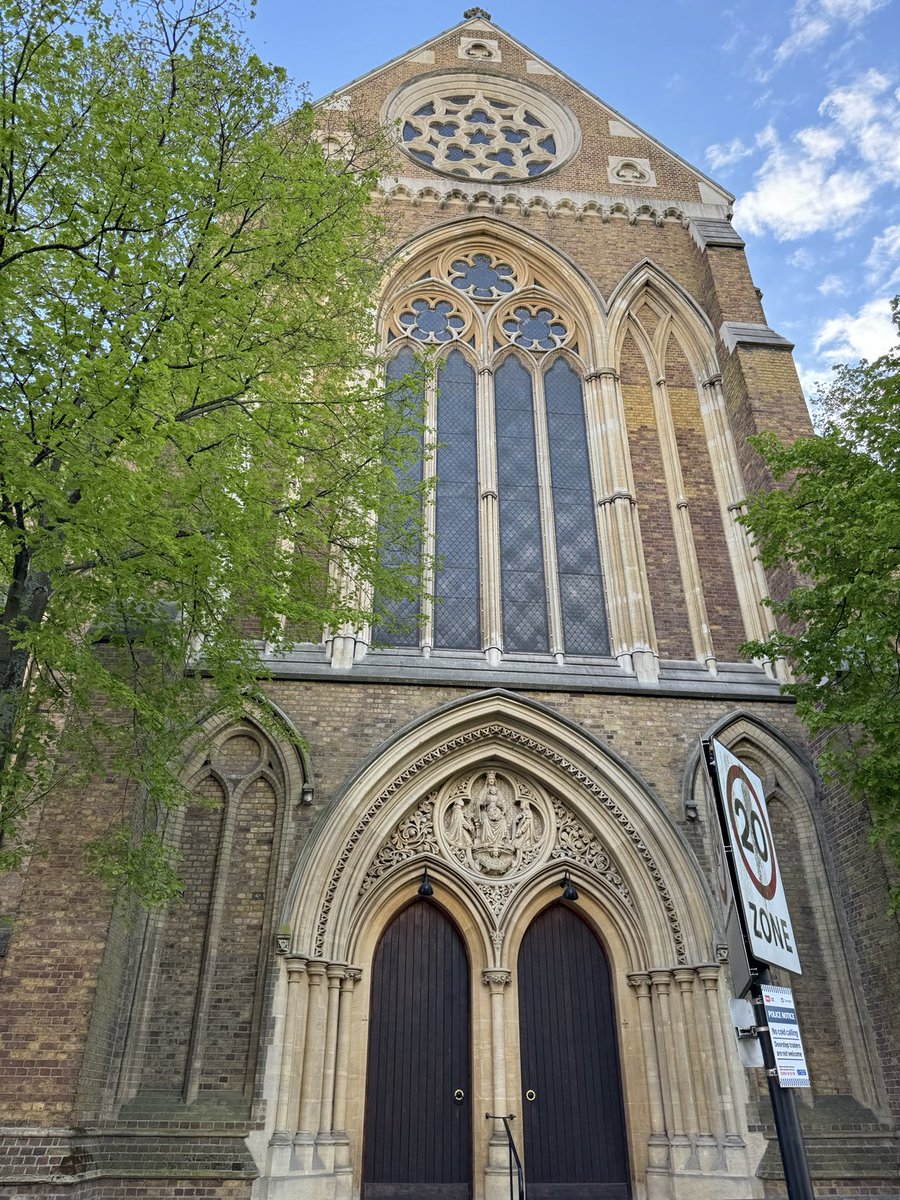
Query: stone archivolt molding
{"x": 482, "y": 127}
{"x": 574, "y": 842}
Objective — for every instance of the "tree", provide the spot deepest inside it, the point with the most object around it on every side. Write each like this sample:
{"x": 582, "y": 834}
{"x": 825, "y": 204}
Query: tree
{"x": 836, "y": 520}
{"x": 192, "y": 429}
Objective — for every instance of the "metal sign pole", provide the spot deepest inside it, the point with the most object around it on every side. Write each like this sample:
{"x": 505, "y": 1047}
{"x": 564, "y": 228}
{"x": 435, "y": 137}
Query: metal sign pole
{"x": 784, "y": 1105}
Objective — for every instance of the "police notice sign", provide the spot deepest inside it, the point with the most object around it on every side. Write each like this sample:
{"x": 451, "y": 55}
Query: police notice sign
{"x": 784, "y": 1031}
{"x": 766, "y": 917}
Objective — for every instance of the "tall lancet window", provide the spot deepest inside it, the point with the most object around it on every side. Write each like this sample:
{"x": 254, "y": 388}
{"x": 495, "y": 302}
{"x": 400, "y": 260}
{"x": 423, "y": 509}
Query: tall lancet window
{"x": 511, "y": 527}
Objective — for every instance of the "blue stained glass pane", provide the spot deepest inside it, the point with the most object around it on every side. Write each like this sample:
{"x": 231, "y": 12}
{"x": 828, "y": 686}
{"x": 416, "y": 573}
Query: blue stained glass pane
{"x": 537, "y": 168}
{"x": 445, "y": 128}
{"x": 399, "y": 623}
{"x": 457, "y": 611}
{"x": 423, "y": 156}
{"x": 548, "y": 144}
{"x": 501, "y": 104}
{"x": 585, "y": 630}
{"x": 456, "y": 154}
{"x": 515, "y": 135}
{"x": 523, "y": 587}
{"x": 459, "y": 99}
{"x": 410, "y": 132}
{"x": 480, "y": 117}
{"x": 530, "y": 119}
{"x": 482, "y": 280}
{"x": 427, "y": 110}
{"x": 480, "y": 138}
{"x": 502, "y": 156}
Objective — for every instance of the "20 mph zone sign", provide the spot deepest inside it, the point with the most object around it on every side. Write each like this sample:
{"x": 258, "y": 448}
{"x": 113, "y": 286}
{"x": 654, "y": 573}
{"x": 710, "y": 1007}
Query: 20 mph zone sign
{"x": 761, "y": 887}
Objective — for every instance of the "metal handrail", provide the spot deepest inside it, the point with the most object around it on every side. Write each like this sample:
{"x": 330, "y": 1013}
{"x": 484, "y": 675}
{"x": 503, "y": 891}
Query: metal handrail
{"x": 513, "y": 1154}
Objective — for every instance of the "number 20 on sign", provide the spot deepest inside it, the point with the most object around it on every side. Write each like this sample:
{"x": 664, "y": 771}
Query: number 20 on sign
{"x": 759, "y": 880}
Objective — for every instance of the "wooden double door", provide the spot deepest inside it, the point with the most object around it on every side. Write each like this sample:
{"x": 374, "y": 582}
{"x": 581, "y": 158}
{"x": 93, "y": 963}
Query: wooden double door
{"x": 419, "y": 1107}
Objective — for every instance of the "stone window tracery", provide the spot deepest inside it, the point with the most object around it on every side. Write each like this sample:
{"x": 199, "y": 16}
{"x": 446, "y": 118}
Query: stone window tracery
{"x": 480, "y": 128}
{"x": 511, "y": 528}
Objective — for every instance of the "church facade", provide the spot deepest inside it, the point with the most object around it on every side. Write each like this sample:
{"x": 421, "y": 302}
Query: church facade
{"x": 485, "y": 888}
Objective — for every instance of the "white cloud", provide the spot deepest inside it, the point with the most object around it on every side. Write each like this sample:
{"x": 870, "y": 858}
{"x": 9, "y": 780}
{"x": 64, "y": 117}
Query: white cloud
{"x": 884, "y": 258}
{"x": 801, "y": 259}
{"x": 823, "y": 175}
{"x": 866, "y": 334}
{"x": 832, "y": 285}
{"x": 724, "y": 154}
{"x": 813, "y": 20}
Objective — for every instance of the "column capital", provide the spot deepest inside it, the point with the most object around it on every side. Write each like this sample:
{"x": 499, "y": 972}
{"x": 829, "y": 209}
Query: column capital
{"x": 618, "y": 494}
{"x": 316, "y": 969}
{"x": 684, "y": 977}
{"x": 709, "y": 973}
{"x": 485, "y": 370}
{"x": 295, "y": 963}
{"x": 661, "y": 381}
{"x": 603, "y": 372}
{"x": 661, "y": 980}
{"x": 496, "y": 980}
{"x": 712, "y": 380}
{"x": 354, "y": 974}
{"x": 640, "y": 981}
{"x": 336, "y": 972}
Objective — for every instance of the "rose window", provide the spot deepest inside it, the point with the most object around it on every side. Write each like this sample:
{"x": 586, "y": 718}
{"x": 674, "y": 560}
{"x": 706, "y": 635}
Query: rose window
{"x": 434, "y": 323}
{"x": 533, "y": 327}
{"x": 482, "y": 277}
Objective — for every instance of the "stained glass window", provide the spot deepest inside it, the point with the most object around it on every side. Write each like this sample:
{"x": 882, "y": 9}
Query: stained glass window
{"x": 523, "y": 588}
{"x": 399, "y": 625}
{"x": 457, "y": 609}
{"x": 578, "y": 557}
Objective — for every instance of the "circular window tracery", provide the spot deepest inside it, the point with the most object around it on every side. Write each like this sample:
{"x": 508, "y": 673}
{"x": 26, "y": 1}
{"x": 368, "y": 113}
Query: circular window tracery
{"x": 482, "y": 276}
{"x": 534, "y": 326}
{"x": 435, "y": 322}
{"x": 494, "y": 130}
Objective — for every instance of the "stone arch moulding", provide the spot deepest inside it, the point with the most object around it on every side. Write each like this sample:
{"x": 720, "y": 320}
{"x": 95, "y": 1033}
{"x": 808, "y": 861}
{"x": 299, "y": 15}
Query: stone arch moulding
{"x": 789, "y": 776}
{"x": 284, "y": 766}
{"x": 556, "y": 271}
{"x": 668, "y": 920}
{"x": 681, "y": 317}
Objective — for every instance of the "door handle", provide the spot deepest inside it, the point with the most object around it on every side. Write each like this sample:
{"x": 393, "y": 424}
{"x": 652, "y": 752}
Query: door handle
{"x": 531, "y": 1095}
{"x": 459, "y": 1095}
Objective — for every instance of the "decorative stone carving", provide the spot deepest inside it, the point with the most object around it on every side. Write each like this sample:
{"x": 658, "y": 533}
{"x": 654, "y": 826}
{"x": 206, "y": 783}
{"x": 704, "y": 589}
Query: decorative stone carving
{"x": 412, "y": 837}
{"x": 576, "y": 844}
{"x": 631, "y": 170}
{"x": 493, "y": 823}
{"x": 479, "y": 49}
{"x": 490, "y": 733}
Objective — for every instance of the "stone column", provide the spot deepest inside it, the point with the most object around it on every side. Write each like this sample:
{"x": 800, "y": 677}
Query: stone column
{"x": 709, "y": 976}
{"x": 352, "y": 976}
{"x": 632, "y": 632}
{"x": 497, "y": 1169}
{"x": 658, "y": 1145}
{"x": 488, "y": 519}
{"x": 313, "y": 1062}
{"x": 325, "y": 1141}
{"x": 670, "y": 1059}
{"x": 292, "y": 1049}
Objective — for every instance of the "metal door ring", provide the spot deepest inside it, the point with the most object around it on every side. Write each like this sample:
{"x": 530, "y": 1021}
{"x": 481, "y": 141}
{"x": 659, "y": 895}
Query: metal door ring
{"x": 459, "y": 1095}
{"x": 531, "y": 1094}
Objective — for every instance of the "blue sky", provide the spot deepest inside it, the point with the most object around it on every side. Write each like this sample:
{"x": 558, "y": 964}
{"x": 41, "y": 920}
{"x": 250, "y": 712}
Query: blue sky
{"x": 793, "y": 105}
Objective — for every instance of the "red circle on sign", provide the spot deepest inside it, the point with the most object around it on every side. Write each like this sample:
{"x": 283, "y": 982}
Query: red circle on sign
{"x": 737, "y": 772}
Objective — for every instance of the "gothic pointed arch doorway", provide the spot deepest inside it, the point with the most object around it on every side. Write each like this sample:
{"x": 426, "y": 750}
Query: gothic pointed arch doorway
{"x": 418, "y": 1124}
{"x": 573, "y": 1121}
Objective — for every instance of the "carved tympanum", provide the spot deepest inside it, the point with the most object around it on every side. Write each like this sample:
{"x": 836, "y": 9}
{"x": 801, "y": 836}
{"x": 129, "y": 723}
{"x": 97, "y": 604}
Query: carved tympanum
{"x": 493, "y": 823}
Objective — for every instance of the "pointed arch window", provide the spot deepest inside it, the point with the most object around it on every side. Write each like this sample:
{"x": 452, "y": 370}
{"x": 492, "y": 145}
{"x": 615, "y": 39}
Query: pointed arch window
{"x": 512, "y": 524}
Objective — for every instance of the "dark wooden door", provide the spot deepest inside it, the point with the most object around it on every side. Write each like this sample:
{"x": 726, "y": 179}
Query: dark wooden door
{"x": 573, "y": 1121}
{"x": 418, "y": 1135}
